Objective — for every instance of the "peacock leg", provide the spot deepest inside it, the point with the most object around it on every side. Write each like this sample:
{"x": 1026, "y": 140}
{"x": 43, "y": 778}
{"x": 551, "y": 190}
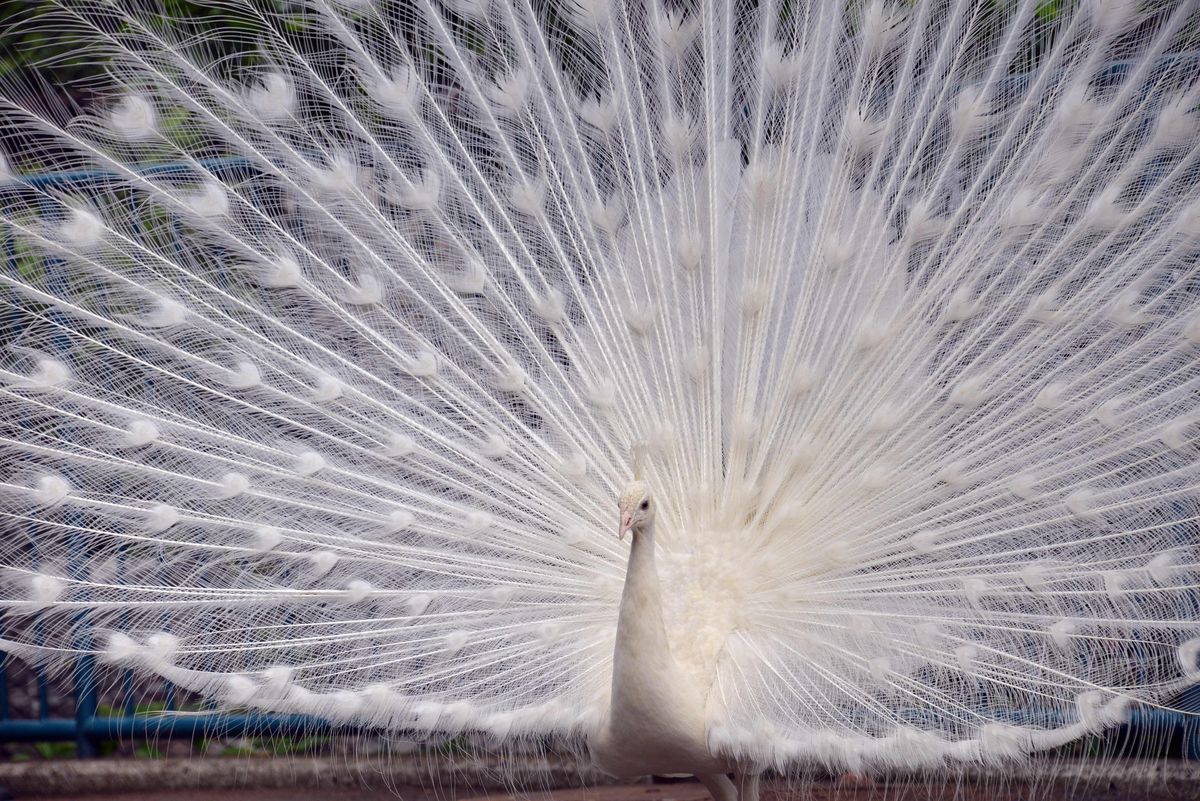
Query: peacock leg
{"x": 719, "y": 785}
{"x": 747, "y": 785}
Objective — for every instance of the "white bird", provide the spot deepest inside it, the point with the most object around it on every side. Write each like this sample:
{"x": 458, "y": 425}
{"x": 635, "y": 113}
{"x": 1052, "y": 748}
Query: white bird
{"x": 319, "y": 375}
{"x": 656, "y": 719}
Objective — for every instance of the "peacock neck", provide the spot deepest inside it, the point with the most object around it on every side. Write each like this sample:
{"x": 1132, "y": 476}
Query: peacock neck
{"x": 656, "y": 718}
{"x": 641, "y": 631}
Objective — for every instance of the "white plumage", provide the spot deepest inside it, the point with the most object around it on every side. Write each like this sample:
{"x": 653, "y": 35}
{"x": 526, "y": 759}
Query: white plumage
{"x": 898, "y": 301}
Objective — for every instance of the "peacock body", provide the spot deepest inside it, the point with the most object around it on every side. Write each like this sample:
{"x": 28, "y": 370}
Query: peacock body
{"x": 321, "y": 400}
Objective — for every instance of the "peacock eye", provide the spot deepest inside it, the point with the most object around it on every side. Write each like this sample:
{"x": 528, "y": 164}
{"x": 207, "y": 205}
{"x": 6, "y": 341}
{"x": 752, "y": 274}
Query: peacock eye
{"x": 644, "y": 505}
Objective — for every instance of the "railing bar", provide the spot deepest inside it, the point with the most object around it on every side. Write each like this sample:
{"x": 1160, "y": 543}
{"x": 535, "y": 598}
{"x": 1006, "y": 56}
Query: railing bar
{"x": 43, "y": 693}
{"x": 127, "y": 704}
{"x": 55, "y": 179}
{"x": 10, "y": 258}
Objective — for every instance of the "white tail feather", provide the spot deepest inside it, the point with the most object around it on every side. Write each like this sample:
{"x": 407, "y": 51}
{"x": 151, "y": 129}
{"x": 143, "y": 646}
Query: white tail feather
{"x": 899, "y": 302}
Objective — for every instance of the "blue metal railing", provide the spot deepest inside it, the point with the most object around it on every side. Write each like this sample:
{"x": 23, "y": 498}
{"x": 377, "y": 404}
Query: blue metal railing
{"x": 91, "y": 724}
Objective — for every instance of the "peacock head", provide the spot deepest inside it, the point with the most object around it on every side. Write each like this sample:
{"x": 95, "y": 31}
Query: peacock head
{"x": 637, "y": 508}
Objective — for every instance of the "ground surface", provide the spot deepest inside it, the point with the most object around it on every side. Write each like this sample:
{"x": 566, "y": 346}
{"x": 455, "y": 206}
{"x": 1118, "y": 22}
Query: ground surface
{"x": 676, "y": 792}
{"x": 453, "y": 780}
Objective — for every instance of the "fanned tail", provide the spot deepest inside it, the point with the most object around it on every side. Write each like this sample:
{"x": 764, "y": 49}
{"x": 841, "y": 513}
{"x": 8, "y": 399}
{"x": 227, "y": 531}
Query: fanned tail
{"x": 320, "y": 399}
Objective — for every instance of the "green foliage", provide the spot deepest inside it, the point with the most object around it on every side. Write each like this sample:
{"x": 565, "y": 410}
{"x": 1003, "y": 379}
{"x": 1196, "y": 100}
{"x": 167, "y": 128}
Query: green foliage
{"x": 148, "y": 751}
{"x": 455, "y": 746}
{"x": 30, "y": 266}
{"x": 60, "y": 61}
{"x": 55, "y": 750}
{"x": 1048, "y": 10}
{"x": 267, "y": 746}
{"x": 146, "y": 708}
{"x": 277, "y": 746}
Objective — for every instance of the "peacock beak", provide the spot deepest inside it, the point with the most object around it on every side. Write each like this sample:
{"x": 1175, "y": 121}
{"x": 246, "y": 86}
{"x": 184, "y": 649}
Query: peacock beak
{"x": 626, "y": 524}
